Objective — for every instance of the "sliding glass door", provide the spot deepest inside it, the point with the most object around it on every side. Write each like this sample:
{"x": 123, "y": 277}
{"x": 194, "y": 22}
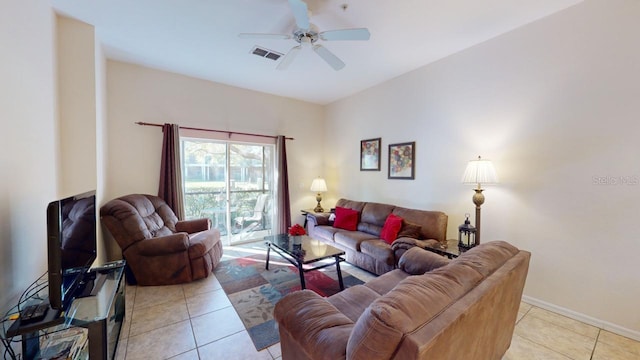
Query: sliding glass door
{"x": 230, "y": 183}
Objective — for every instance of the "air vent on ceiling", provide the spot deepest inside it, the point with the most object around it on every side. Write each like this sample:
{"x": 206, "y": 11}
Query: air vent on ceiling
{"x": 266, "y": 53}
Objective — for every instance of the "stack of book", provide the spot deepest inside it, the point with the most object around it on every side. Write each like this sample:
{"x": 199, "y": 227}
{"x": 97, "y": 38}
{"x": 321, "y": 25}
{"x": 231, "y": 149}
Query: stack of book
{"x": 68, "y": 344}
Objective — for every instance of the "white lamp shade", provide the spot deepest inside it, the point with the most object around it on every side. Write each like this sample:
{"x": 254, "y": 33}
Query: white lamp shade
{"x": 318, "y": 185}
{"x": 480, "y": 172}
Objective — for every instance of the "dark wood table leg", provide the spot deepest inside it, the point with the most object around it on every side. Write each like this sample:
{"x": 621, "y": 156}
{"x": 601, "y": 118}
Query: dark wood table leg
{"x": 339, "y": 273}
{"x": 266, "y": 266}
{"x": 301, "y": 272}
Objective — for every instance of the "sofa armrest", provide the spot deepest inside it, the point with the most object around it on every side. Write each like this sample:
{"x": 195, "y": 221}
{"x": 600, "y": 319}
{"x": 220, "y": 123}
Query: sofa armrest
{"x": 417, "y": 261}
{"x": 317, "y": 219}
{"x": 192, "y": 226}
{"x": 313, "y": 325}
{"x": 163, "y": 245}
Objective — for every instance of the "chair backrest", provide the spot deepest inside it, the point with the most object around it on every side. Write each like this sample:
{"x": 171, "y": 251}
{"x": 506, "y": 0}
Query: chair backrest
{"x": 261, "y": 201}
{"x": 136, "y": 217}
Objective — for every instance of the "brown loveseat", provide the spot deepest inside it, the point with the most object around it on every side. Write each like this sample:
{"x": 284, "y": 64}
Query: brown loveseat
{"x": 364, "y": 248}
{"x": 160, "y": 249}
{"x": 429, "y": 308}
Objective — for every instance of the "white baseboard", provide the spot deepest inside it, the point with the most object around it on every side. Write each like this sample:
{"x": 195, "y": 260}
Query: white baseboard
{"x": 616, "y": 329}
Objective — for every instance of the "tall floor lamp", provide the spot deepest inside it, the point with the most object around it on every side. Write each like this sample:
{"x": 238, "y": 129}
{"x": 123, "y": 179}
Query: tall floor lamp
{"x": 479, "y": 172}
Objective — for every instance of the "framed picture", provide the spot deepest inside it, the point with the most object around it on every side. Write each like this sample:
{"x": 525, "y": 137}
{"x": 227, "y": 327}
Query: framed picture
{"x": 402, "y": 160}
{"x": 370, "y": 155}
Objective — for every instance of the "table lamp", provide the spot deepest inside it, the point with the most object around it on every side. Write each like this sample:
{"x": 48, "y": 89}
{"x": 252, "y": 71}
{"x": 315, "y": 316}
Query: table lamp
{"x": 479, "y": 172}
{"x": 318, "y": 186}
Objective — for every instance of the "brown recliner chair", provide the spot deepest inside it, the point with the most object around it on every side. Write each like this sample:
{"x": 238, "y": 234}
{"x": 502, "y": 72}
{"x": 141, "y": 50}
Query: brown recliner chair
{"x": 160, "y": 249}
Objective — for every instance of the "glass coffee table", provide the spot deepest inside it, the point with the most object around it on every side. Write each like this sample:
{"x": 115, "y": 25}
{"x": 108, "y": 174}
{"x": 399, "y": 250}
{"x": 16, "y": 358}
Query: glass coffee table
{"x": 303, "y": 252}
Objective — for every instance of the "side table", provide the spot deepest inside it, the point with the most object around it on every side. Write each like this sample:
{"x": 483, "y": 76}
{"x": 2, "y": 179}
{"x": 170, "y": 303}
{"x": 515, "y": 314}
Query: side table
{"x": 451, "y": 251}
{"x": 310, "y": 211}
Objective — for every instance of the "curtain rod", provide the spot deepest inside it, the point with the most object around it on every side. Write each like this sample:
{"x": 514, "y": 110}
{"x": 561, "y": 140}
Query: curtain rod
{"x": 211, "y": 130}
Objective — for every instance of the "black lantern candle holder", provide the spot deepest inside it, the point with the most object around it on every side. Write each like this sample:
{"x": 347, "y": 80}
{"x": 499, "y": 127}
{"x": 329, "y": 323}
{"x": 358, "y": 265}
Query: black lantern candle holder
{"x": 466, "y": 235}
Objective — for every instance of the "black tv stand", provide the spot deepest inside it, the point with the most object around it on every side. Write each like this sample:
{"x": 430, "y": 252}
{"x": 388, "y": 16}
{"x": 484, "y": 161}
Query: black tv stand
{"x": 103, "y": 318}
{"x": 91, "y": 284}
{"x": 52, "y": 318}
{"x": 34, "y": 313}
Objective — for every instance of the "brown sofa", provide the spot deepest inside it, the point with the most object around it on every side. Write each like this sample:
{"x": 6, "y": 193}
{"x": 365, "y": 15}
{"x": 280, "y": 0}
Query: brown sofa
{"x": 429, "y": 308}
{"x": 160, "y": 249}
{"x": 364, "y": 248}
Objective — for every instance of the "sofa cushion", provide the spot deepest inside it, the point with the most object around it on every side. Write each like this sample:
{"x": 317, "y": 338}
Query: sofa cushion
{"x": 486, "y": 258}
{"x": 346, "y": 219}
{"x": 370, "y": 228}
{"x": 411, "y": 304}
{"x": 324, "y": 232}
{"x": 351, "y": 204}
{"x": 376, "y": 213}
{"x": 378, "y": 249}
{"x": 410, "y": 230}
{"x": 391, "y": 227}
{"x": 354, "y": 300}
{"x": 385, "y": 282}
{"x": 433, "y": 224}
{"x": 352, "y": 239}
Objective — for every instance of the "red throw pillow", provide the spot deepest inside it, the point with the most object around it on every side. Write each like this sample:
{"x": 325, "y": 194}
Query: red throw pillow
{"x": 391, "y": 227}
{"x": 346, "y": 219}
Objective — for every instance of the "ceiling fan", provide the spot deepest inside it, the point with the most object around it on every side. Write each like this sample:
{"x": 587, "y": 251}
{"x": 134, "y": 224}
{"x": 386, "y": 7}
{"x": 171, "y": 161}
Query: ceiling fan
{"x": 306, "y": 35}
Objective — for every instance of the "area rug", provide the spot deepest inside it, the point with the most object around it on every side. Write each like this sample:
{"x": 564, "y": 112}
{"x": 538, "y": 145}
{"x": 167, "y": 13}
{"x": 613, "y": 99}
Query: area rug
{"x": 254, "y": 291}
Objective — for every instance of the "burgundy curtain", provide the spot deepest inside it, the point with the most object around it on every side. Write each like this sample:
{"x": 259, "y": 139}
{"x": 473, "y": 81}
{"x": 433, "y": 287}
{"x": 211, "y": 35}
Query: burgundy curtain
{"x": 170, "y": 188}
{"x": 283, "y": 221}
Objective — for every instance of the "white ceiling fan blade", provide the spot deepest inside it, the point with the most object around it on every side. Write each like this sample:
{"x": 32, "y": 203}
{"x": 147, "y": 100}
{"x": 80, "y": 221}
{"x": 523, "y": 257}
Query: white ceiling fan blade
{"x": 264, "y": 36}
{"x": 288, "y": 58}
{"x": 346, "y": 34}
{"x": 328, "y": 56}
{"x": 300, "y": 13}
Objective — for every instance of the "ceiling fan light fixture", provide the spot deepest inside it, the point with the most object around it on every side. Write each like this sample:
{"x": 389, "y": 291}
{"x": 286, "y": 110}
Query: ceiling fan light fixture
{"x": 305, "y": 41}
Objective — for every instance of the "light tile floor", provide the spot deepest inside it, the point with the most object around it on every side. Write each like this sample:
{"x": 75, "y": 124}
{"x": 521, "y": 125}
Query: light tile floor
{"x": 197, "y": 321}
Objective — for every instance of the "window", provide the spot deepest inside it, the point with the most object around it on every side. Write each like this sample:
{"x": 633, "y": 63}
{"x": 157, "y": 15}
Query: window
{"x": 231, "y": 183}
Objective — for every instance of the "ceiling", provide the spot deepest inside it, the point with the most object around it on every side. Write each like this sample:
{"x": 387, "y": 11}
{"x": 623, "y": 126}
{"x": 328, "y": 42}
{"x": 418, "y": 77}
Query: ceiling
{"x": 199, "y": 38}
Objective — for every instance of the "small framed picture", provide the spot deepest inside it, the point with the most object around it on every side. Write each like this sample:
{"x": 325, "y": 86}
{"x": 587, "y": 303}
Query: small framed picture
{"x": 370, "y": 155}
{"x": 402, "y": 160}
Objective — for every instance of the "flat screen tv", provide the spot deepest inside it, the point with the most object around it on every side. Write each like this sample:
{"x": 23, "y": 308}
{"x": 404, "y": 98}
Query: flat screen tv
{"x": 71, "y": 245}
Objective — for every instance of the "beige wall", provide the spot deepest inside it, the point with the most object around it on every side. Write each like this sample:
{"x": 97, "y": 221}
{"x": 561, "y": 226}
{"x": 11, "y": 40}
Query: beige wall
{"x": 51, "y": 147}
{"x": 555, "y": 105}
{"x": 77, "y": 105}
{"x": 82, "y": 112}
{"x": 28, "y": 160}
{"x": 141, "y": 94}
